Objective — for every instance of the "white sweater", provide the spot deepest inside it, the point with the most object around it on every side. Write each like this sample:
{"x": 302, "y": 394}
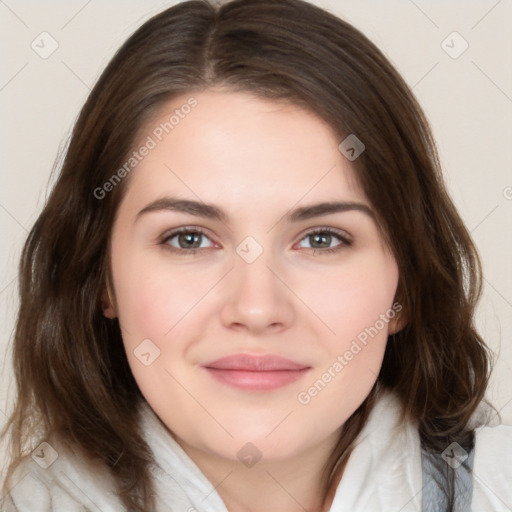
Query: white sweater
{"x": 383, "y": 473}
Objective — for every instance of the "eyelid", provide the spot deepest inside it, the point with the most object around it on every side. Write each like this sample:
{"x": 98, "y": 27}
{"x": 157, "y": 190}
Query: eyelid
{"x": 183, "y": 229}
{"x": 345, "y": 239}
{"x": 344, "y": 235}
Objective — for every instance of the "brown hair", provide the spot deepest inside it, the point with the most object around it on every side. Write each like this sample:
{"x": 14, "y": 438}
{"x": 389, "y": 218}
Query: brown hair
{"x": 71, "y": 370}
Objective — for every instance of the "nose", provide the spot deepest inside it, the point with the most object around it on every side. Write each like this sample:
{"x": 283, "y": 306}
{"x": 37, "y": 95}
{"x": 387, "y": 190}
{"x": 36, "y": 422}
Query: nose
{"x": 256, "y": 299}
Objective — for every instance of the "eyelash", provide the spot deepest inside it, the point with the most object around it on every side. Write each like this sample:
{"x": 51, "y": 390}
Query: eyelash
{"x": 345, "y": 241}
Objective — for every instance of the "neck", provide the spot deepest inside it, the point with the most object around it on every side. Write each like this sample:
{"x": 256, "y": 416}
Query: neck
{"x": 292, "y": 485}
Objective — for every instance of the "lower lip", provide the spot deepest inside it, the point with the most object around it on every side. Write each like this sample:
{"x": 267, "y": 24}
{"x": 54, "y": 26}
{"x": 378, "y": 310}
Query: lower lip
{"x": 257, "y": 381}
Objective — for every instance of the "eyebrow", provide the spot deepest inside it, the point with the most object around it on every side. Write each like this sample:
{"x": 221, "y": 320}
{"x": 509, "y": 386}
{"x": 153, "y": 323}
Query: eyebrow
{"x": 210, "y": 211}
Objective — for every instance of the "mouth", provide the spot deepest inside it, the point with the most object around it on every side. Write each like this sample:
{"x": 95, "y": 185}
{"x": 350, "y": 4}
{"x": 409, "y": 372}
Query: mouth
{"x": 256, "y": 373}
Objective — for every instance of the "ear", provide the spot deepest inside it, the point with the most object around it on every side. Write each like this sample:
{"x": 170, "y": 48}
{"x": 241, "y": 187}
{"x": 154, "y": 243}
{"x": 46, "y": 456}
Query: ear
{"x": 107, "y": 306}
{"x": 401, "y": 318}
{"x": 397, "y": 323}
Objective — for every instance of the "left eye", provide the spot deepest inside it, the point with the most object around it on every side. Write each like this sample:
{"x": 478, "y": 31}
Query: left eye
{"x": 323, "y": 239}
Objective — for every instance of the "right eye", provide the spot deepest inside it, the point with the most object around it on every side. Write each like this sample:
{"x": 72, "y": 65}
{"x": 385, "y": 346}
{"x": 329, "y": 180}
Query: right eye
{"x": 186, "y": 241}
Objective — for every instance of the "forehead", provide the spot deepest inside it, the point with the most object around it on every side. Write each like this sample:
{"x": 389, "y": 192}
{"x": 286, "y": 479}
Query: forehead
{"x": 240, "y": 150}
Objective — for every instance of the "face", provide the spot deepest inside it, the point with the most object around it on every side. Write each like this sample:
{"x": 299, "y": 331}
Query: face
{"x": 220, "y": 249}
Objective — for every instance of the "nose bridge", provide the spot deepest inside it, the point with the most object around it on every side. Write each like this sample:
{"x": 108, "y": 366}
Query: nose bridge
{"x": 255, "y": 283}
{"x": 256, "y": 297}
{"x": 254, "y": 276}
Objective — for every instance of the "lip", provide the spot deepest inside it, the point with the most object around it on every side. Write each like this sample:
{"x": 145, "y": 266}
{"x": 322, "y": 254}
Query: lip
{"x": 255, "y": 373}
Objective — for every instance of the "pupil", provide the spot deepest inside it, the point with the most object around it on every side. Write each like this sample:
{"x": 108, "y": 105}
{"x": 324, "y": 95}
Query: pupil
{"x": 190, "y": 240}
{"x": 321, "y": 240}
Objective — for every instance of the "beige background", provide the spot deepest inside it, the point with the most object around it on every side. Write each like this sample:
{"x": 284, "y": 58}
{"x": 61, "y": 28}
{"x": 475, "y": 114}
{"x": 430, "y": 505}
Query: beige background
{"x": 467, "y": 99}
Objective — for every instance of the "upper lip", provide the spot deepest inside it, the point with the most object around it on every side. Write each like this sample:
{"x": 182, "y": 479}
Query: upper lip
{"x": 247, "y": 362}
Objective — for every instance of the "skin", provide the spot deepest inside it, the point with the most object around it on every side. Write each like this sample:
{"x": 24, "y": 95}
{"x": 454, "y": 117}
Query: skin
{"x": 256, "y": 160}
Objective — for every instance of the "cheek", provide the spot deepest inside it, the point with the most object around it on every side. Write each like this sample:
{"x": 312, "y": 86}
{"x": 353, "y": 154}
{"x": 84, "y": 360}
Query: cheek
{"x": 352, "y": 297}
{"x": 357, "y": 305}
{"x": 154, "y": 297}
{"x": 156, "y": 302}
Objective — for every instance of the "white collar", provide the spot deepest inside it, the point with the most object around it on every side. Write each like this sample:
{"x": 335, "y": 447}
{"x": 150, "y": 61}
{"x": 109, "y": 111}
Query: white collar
{"x": 384, "y": 468}
{"x": 387, "y": 452}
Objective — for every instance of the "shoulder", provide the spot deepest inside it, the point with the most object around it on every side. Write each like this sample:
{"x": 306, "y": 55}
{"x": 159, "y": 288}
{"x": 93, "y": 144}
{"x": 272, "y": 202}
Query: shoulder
{"x": 56, "y": 478}
{"x": 492, "y": 469}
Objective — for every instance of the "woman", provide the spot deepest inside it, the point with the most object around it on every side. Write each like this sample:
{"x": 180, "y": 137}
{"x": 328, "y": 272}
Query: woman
{"x": 249, "y": 289}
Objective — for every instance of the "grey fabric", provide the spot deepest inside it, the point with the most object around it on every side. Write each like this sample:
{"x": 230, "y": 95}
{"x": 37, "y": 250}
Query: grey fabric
{"x": 447, "y": 479}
